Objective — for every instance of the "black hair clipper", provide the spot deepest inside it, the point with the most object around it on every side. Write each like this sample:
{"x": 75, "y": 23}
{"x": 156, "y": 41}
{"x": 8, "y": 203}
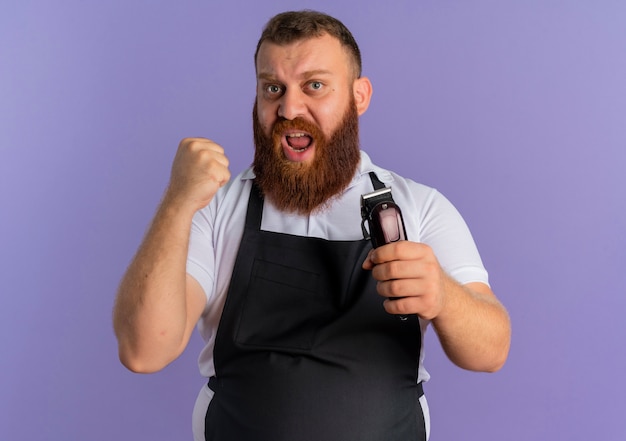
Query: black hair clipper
{"x": 383, "y": 216}
{"x": 384, "y": 219}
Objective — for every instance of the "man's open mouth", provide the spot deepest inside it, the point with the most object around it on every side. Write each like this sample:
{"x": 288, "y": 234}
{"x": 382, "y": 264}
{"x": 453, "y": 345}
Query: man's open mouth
{"x": 298, "y": 141}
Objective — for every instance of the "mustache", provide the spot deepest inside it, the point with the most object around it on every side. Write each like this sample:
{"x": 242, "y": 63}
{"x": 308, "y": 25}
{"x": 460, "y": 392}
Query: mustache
{"x": 298, "y": 124}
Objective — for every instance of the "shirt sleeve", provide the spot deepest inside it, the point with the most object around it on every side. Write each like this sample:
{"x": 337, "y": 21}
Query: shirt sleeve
{"x": 443, "y": 228}
{"x": 201, "y": 256}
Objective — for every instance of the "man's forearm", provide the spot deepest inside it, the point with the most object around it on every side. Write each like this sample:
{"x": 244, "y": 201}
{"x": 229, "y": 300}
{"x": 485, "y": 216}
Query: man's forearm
{"x": 151, "y": 308}
{"x": 473, "y": 327}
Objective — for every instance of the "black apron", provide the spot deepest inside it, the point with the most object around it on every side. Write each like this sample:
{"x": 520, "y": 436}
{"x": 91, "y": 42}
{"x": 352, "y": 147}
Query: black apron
{"x": 305, "y": 351}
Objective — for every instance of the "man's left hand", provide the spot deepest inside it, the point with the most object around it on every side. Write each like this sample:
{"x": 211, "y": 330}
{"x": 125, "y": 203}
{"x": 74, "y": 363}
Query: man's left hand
{"x": 410, "y": 277}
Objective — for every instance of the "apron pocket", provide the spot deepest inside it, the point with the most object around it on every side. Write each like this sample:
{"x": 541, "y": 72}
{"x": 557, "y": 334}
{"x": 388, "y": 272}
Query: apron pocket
{"x": 283, "y": 308}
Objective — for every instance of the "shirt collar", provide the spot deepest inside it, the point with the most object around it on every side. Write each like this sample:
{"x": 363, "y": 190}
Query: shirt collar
{"x": 366, "y": 166}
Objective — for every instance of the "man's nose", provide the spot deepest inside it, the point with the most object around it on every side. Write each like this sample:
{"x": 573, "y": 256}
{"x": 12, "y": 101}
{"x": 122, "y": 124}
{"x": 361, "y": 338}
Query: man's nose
{"x": 291, "y": 105}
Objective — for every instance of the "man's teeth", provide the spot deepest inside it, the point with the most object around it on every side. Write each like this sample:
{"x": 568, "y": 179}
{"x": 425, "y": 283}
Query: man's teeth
{"x": 297, "y": 135}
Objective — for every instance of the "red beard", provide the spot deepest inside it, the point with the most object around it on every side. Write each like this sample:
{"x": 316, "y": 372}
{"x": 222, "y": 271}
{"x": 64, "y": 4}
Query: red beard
{"x": 303, "y": 188}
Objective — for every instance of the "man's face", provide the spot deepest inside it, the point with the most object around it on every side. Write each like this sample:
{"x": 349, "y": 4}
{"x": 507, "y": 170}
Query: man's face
{"x": 310, "y": 79}
{"x": 305, "y": 122}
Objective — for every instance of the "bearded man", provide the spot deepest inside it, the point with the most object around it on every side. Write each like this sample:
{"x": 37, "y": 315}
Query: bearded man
{"x": 298, "y": 312}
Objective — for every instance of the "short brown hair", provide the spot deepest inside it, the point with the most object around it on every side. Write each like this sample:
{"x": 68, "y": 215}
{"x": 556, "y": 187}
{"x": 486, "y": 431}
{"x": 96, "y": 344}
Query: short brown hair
{"x": 291, "y": 26}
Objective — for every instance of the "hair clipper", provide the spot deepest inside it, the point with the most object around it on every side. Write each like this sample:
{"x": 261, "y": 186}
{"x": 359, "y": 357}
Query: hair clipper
{"x": 384, "y": 219}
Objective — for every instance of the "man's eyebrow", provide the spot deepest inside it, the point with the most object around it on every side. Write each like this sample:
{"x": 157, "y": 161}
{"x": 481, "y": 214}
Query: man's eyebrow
{"x": 266, "y": 76}
{"x": 306, "y": 75}
{"x": 315, "y": 73}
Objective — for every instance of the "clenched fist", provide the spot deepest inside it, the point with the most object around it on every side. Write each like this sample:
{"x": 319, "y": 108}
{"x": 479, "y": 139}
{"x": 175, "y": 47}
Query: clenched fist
{"x": 200, "y": 168}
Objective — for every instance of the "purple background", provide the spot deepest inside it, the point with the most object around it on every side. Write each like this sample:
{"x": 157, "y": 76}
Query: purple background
{"x": 515, "y": 110}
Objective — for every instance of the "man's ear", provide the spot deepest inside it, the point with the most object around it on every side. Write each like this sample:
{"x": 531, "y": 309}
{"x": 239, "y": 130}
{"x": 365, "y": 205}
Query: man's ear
{"x": 362, "y": 89}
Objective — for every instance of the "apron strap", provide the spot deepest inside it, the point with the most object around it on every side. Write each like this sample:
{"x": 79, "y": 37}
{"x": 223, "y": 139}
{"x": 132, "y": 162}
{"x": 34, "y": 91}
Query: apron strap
{"x": 214, "y": 385}
{"x": 376, "y": 182}
{"x": 255, "y": 208}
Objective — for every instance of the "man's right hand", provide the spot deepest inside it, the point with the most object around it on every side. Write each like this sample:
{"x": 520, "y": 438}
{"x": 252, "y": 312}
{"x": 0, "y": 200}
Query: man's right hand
{"x": 200, "y": 168}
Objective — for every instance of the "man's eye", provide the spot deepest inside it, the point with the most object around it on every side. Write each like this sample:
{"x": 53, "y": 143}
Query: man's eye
{"x": 315, "y": 85}
{"x": 273, "y": 89}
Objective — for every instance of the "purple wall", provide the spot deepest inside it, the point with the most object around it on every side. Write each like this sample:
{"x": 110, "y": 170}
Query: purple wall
{"x": 515, "y": 110}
